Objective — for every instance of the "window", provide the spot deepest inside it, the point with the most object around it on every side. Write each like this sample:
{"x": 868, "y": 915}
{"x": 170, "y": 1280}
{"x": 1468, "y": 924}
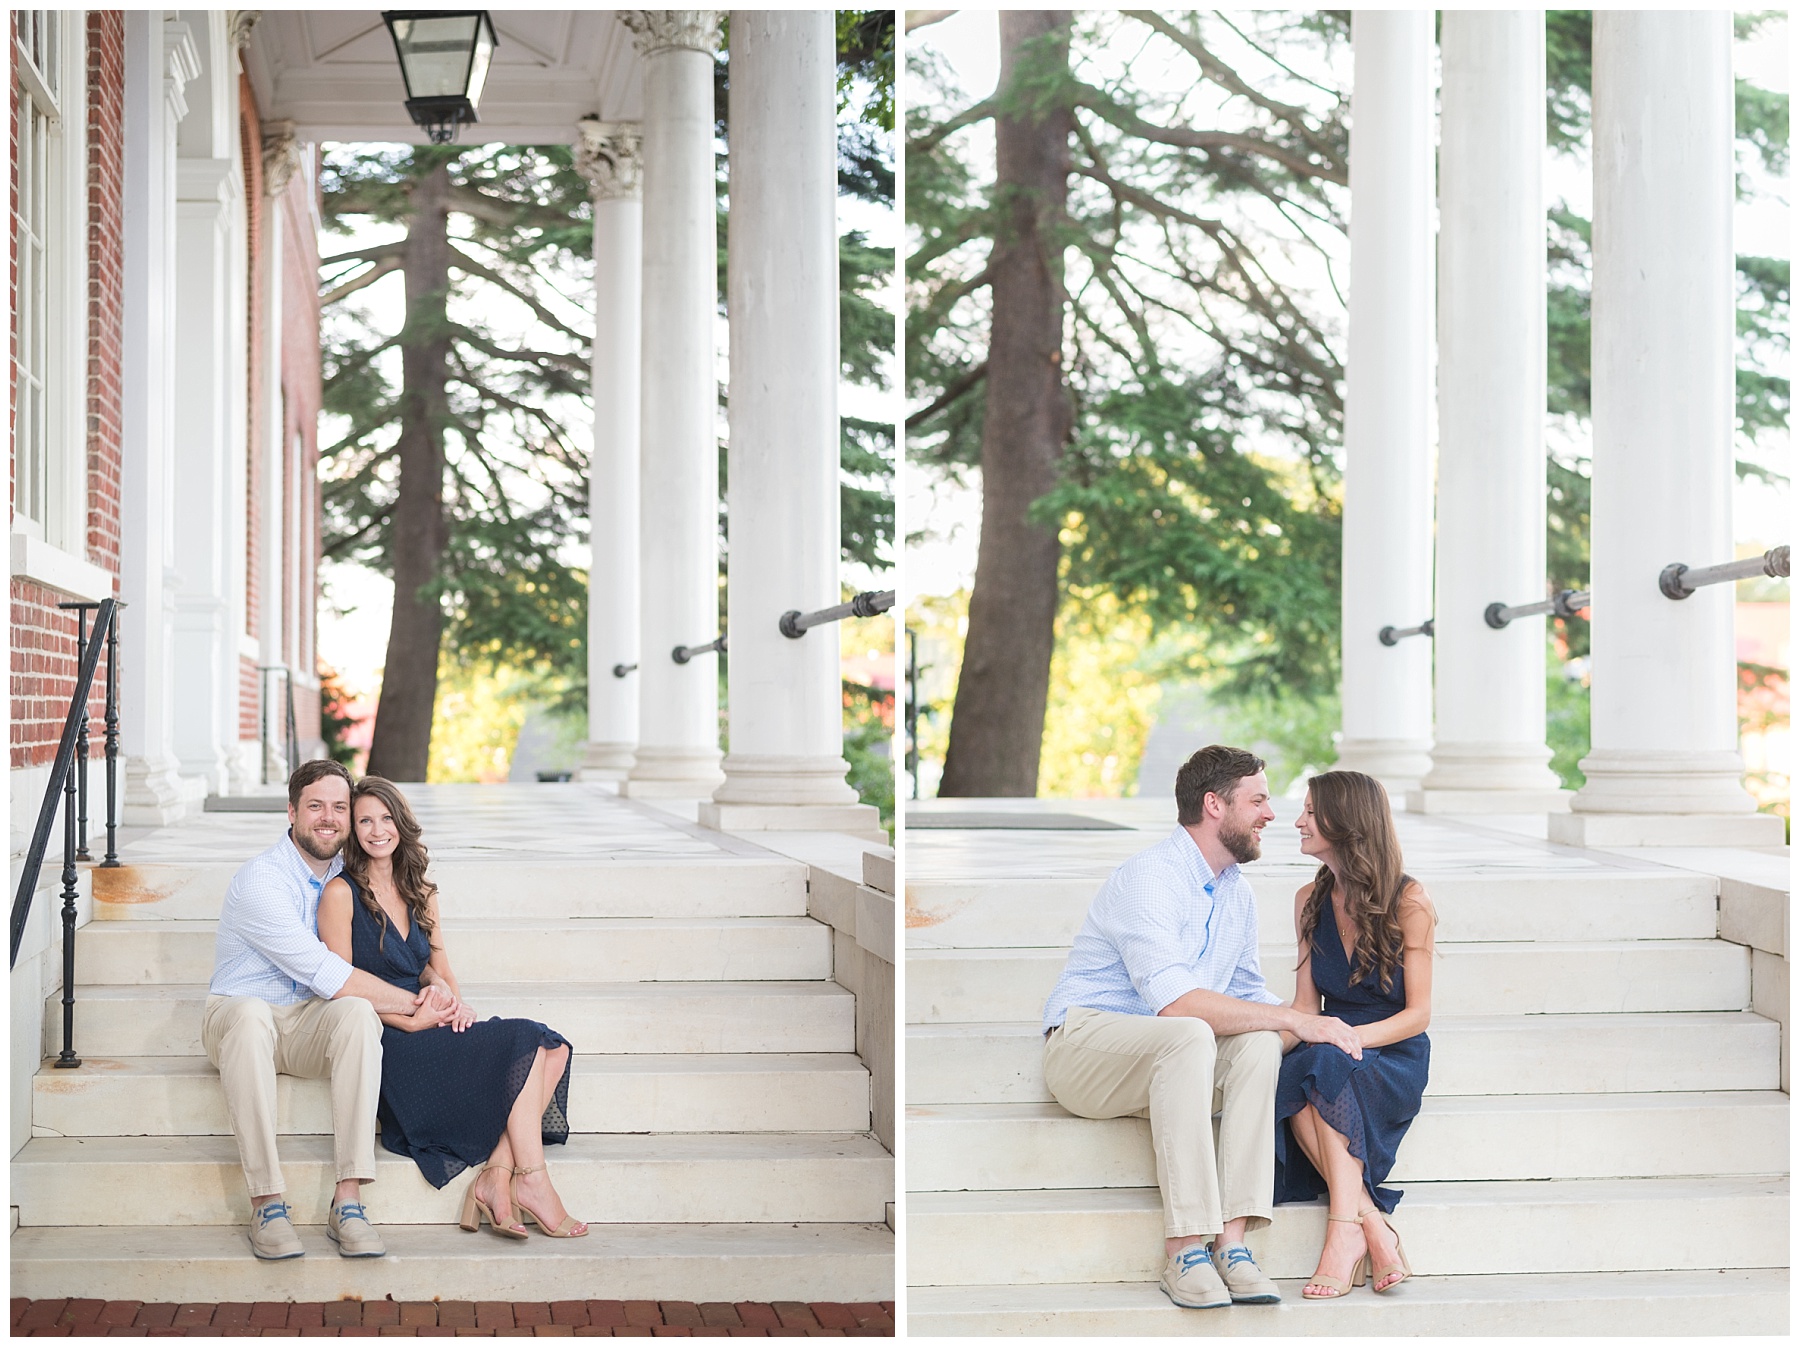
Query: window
{"x": 50, "y": 254}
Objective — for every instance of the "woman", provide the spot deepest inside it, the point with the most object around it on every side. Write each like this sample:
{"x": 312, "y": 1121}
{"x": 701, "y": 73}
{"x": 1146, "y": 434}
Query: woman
{"x": 1365, "y": 948}
{"x": 453, "y": 1092}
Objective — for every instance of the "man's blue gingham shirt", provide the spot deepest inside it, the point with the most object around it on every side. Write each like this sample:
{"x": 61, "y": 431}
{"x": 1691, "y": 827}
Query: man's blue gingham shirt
{"x": 1162, "y": 926}
{"x": 268, "y": 945}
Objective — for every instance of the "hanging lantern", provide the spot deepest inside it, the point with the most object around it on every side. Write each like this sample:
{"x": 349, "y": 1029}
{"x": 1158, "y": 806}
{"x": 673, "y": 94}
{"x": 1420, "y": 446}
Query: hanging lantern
{"x": 444, "y": 57}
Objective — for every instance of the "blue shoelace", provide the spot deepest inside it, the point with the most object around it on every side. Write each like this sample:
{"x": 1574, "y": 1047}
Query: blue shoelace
{"x": 269, "y": 1211}
{"x": 1192, "y": 1255}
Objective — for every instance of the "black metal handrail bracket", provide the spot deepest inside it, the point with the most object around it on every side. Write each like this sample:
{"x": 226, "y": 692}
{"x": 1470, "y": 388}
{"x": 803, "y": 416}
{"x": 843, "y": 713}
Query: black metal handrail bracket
{"x": 290, "y": 734}
{"x": 794, "y": 623}
{"x": 681, "y": 654}
{"x": 63, "y": 779}
{"x": 1565, "y": 603}
{"x": 1678, "y": 581}
{"x": 1394, "y": 635}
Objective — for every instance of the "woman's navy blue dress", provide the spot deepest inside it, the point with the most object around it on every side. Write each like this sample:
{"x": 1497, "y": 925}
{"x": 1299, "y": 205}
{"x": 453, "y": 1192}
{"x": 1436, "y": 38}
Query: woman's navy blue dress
{"x": 1371, "y": 1102}
{"x": 445, "y": 1096}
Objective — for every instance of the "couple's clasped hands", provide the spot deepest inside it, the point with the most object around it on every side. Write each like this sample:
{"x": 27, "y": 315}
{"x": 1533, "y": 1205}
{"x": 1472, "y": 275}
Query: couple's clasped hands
{"x": 1330, "y": 1029}
{"x": 436, "y": 1005}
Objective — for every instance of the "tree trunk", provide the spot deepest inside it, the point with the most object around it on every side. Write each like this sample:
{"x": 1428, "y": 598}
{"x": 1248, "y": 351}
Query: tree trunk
{"x": 402, "y": 740}
{"x": 997, "y": 727}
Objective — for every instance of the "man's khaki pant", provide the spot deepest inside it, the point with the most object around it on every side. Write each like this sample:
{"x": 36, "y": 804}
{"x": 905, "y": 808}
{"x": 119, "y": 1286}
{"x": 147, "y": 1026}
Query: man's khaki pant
{"x": 1173, "y": 1071}
{"x": 250, "y": 1040}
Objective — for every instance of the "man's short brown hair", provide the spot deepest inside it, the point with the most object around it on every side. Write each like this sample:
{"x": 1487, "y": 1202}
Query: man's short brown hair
{"x": 316, "y": 770}
{"x": 1214, "y": 770}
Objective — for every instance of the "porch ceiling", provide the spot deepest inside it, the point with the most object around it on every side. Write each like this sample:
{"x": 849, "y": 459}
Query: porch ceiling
{"x": 334, "y": 75}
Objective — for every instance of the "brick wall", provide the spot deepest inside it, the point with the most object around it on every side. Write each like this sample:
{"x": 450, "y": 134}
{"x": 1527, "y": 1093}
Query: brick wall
{"x": 43, "y": 636}
{"x": 256, "y": 393}
{"x": 302, "y": 395}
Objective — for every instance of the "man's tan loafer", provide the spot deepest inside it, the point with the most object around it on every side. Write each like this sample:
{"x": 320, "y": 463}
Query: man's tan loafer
{"x": 350, "y": 1230}
{"x": 1248, "y": 1284}
{"x": 1191, "y": 1281}
{"x": 272, "y": 1235}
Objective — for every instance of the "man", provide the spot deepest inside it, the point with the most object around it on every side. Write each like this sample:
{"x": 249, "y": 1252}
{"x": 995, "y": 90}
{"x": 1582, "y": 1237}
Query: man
{"x": 282, "y": 1002}
{"x": 1162, "y": 1012}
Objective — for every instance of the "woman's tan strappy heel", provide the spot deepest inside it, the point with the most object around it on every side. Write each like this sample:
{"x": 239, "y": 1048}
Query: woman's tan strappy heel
{"x": 565, "y": 1228}
{"x": 1403, "y": 1267}
{"x": 472, "y": 1204}
{"x": 1359, "y": 1271}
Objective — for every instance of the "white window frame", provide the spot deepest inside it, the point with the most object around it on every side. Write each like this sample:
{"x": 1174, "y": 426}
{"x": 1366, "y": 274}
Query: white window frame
{"x": 55, "y": 518}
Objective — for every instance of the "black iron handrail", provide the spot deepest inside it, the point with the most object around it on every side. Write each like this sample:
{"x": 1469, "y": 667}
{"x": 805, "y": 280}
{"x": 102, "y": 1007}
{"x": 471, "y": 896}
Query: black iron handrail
{"x": 794, "y": 623}
{"x": 620, "y": 670}
{"x": 1678, "y": 581}
{"x": 912, "y": 709}
{"x": 1565, "y": 603}
{"x": 1394, "y": 635}
{"x": 681, "y": 654}
{"x": 63, "y": 780}
{"x": 292, "y": 732}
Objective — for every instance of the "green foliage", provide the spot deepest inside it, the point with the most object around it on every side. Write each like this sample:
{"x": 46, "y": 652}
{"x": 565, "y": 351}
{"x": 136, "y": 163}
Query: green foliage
{"x": 1565, "y": 723}
{"x": 1293, "y": 731}
{"x": 1207, "y": 392}
{"x": 869, "y": 747}
{"x": 334, "y": 719}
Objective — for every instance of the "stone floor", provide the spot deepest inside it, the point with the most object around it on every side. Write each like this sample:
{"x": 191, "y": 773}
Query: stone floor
{"x": 459, "y": 1318}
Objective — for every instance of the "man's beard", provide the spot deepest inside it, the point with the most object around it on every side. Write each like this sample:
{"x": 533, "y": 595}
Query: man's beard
{"x": 312, "y": 846}
{"x": 1243, "y": 845}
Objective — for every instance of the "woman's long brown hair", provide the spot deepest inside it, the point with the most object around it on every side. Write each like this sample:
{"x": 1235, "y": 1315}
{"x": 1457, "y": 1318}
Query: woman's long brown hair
{"x": 410, "y": 857}
{"x": 1350, "y": 811}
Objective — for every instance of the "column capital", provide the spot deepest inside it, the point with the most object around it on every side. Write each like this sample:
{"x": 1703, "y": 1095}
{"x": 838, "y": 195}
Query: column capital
{"x": 241, "y": 21}
{"x": 610, "y": 156}
{"x": 658, "y": 30}
{"x": 280, "y": 156}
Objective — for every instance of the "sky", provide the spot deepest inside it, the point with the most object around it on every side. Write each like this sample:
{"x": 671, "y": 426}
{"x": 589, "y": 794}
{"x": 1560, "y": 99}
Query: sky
{"x": 945, "y": 520}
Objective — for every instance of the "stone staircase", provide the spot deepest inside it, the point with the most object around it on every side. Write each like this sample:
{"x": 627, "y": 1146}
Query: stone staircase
{"x": 721, "y": 1145}
{"x": 1603, "y": 1147}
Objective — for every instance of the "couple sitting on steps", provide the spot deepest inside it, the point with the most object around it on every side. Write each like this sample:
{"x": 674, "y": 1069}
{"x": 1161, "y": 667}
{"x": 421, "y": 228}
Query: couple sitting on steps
{"x": 1162, "y": 1012}
{"x": 330, "y": 962}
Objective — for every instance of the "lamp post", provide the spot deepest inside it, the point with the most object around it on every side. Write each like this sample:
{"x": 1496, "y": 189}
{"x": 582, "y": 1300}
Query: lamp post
{"x": 444, "y": 57}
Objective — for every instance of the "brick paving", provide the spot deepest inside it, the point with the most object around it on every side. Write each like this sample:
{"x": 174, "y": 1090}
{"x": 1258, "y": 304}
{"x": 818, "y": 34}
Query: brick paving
{"x": 453, "y": 1318}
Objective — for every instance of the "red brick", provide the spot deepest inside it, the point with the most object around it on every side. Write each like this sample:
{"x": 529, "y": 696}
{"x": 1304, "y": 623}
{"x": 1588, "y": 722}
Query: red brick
{"x": 56, "y": 1331}
{"x": 193, "y": 1316}
{"x": 380, "y": 1313}
{"x": 554, "y": 1330}
{"x": 868, "y": 1309}
{"x": 888, "y": 1305}
{"x": 872, "y": 1328}
{"x": 529, "y": 1314}
{"x": 754, "y": 1315}
{"x": 328, "y": 1331}
{"x": 307, "y": 1314}
{"x": 19, "y": 1305}
{"x": 419, "y": 1313}
{"x": 720, "y": 1314}
{"x": 156, "y": 1315}
{"x": 571, "y": 1312}
{"x": 456, "y": 1313}
{"x": 831, "y": 1315}
{"x": 682, "y": 1312}
{"x": 232, "y": 1316}
{"x": 81, "y": 1313}
{"x": 269, "y": 1314}
{"x": 642, "y": 1313}
{"x": 435, "y": 1331}
{"x": 495, "y": 1314}
{"x": 40, "y": 1314}
{"x": 824, "y": 1332}
{"x": 474, "y": 1332}
{"x": 127, "y": 1331}
{"x": 793, "y": 1314}
{"x": 606, "y": 1313}
{"x": 284, "y": 1332}
{"x": 672, "y": 1331}
{"x": 342, "y": 1313}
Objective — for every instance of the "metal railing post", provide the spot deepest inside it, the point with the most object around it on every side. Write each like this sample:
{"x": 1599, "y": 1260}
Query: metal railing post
{"x": 81, "y": 735}
{"x": 111, "y": 859}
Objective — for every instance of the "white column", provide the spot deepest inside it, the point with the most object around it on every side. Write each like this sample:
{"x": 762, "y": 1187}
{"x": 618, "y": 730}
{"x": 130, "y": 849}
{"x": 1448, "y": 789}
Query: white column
{"x": 160, "y": 60}
{"x": 1490, "y": 754}
{"x": 678, "y": 729}
{"x": 609, "y": 156}
{"x": 786, "y": 767}
{"x": 281, "y": 160}
{"x": 1387, "y": 404}
{"x": 1664, "y": 767}
{"x": 207, "y": 364}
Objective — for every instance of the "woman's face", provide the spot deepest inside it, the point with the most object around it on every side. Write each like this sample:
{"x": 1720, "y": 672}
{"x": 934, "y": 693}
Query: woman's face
{"x": 376, "y": 831}
{"x": 1311, "y": 843}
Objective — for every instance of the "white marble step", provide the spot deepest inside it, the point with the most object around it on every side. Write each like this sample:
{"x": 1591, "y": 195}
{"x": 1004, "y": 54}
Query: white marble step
{"x": 1471, "y": 1055}
{"x": 613, "y": 949}
{"x": 608, "y": 884}
{"x": 954, "y": 1147}
{"x": 1450, "y": 1229}
{"x": 961, "y": 986}
{"x": 1587, "y": 899}
{"x": 708, "y": 1178}
{"x": 745, "y": 1092}
{"x": 1647, "y": 1304}
{"x": 775, "y": 1261}
{"x": 599, "y": 1017}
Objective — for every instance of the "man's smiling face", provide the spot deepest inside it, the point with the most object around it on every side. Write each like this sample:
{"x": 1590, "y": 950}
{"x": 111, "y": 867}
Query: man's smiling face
{"x": 1246, "y": 814}
{"x": 322, "y": 817}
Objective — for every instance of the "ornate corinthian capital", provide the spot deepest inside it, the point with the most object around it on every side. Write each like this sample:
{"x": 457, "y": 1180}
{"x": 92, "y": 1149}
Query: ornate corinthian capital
{"x": 280, "y": 156}
{"x": 609, "y": 156}
{"x": 673, "y": 29}
{"x": 242, "y": 21}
